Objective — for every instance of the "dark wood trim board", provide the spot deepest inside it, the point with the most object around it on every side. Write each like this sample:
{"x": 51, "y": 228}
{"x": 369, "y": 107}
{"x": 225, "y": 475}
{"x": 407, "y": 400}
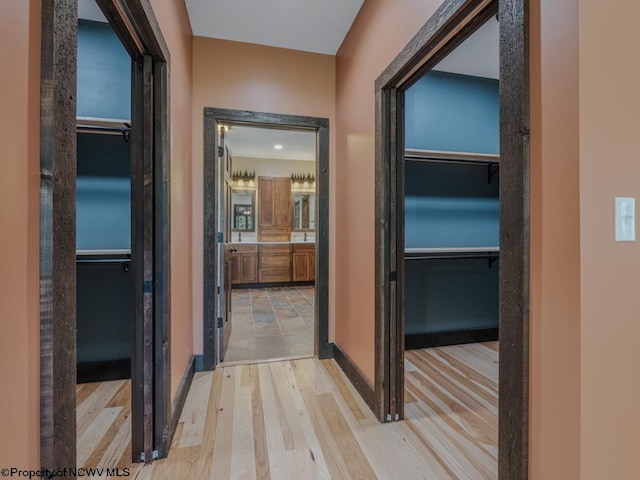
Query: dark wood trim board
{"x": 137, "y": 28}
{"x": 355, "y": 376}
{"x": 215, "y": 116}
{"x": 450, "y": 25}
{"x": 439, "y": 339}
{"x": 104, "y": 371}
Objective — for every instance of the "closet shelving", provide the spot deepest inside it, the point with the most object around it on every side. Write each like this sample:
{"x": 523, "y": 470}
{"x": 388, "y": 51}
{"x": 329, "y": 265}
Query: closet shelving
{"x": 435, "y": 313}
{"x": 103, "y": 254}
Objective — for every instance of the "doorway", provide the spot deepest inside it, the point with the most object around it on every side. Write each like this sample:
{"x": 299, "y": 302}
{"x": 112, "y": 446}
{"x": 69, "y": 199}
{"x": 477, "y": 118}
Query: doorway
{"x": 148, "y": 262}
{"x": 405, "y": 320}
{"x": 266, "y": 237}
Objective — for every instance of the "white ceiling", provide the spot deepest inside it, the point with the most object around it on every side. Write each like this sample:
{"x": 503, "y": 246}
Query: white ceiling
{"x": 259, "y": 142}
{"x": 310, "y": 25}
{"x": 89, "y": 10}
{"x": 478, "y": 55}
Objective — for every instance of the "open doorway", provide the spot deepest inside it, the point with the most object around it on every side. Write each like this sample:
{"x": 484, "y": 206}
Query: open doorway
{"x": 271, "y": 222}
{"x": 104, "y": 235}
{"x": 266, "y": 237}
{"x": 452, "y": 163}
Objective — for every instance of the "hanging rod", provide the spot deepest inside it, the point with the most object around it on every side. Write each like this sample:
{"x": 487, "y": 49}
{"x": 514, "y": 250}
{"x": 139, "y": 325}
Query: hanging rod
{"x": 105, "y": 126}
{"x": 441, "y": 156}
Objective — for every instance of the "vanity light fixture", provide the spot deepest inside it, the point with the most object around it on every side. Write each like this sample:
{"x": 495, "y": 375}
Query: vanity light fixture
{"x": 277, "y": 146}
{"x": 307, "y": 181}
{"x": 245, "y": 178}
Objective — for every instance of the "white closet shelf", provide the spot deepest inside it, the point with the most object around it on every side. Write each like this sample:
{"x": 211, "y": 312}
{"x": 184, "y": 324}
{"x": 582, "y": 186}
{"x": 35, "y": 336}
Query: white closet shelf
{"x": 446, "y": 156}
{"x": 87, "y": 253}
{"x": 452, "y": 250}
{"x": 103, "y": 122}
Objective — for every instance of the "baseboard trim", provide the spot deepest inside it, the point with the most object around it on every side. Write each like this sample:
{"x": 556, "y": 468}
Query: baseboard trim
{"x": 103, "y": 371}
{"x": 355, "y": 376}
{"x": 440, "y": 339}
{"x": 181, "y": 396}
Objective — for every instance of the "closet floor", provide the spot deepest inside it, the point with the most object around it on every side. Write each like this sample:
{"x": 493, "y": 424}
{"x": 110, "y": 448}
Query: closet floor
{"x": 271, "y": 323}
{"x": 103, "y": 417}
{"x": 451, "y": 404}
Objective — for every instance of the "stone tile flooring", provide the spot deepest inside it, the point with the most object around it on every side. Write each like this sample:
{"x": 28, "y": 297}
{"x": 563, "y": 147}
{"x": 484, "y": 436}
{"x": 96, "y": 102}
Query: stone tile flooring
{"x": 270, "y": 323}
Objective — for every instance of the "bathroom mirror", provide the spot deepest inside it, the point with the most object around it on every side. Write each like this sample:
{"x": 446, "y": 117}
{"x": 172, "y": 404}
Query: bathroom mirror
{"x": 243, "y": 209}
{"x": 304, "y": 211}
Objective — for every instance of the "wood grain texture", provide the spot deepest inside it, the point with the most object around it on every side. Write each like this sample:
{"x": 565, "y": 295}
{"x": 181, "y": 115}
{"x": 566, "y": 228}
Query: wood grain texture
{"x": 304, "y": 419}
{"x": 57, "y": 233}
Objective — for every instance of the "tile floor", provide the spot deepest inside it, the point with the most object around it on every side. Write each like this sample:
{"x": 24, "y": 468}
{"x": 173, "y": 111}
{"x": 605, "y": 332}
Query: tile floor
{"x": 271, "y": 323}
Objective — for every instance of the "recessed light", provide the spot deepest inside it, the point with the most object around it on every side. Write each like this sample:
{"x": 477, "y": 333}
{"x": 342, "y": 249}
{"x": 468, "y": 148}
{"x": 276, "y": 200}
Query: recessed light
{"x": 278, "y": 147}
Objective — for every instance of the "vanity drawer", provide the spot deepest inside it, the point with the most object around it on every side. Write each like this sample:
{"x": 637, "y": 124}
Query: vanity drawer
{"x": 245, "y": 248}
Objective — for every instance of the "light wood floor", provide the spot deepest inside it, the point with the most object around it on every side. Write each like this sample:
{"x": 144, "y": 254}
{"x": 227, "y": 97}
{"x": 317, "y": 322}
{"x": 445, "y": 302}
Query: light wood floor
{"x": 302, "y": 419}
{"x": 103, "y": 415}
{"x": 271, "y": 323}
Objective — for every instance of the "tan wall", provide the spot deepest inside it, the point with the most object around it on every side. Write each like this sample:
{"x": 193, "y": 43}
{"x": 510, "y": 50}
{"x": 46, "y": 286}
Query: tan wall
{"x": 555, "y": 242}
{"x": 174, "y": 23}
{"x": 265, "y": 79}
{"x": 609, "y": 167}
{"x": 19, "y": 240}
{"x": 381, "y": 30}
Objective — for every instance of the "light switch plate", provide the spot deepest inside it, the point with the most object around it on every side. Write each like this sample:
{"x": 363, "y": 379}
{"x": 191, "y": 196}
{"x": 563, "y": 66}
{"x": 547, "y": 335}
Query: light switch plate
{"x": 625, "y": 219}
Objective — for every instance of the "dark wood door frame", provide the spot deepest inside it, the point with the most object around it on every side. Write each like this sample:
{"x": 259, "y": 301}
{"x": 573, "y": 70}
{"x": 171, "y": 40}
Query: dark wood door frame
{"x": 136, "y": 26}
{"x": 214, "y": 117}
{"x": 451, "y": 24}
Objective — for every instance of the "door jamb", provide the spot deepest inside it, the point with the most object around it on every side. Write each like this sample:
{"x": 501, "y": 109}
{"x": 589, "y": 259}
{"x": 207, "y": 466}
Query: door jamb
{"x": 135, "y": 24}
{"x": 451, "y": 24}
{"x": 215, "y": 116}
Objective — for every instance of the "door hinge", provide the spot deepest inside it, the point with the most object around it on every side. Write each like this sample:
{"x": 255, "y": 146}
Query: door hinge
{"x": 154, "y": 456}
{"x": 220, "y": 151}
{"x": 393, "y": 276}
{"x": 218, "y": 290}
{"x": 220, "y": 237}
{"x": 219, "y": 322}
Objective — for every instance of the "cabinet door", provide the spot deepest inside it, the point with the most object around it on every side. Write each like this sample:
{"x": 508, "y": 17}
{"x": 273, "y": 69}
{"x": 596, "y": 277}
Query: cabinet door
{"x": 312, "y": 266}
{"x": 265, "y": 202}
{"x": 249, "y": 267}
{"x": 235, "y": 268}
{"x": 282, "y": 202}
{"x": 300, "y": 267}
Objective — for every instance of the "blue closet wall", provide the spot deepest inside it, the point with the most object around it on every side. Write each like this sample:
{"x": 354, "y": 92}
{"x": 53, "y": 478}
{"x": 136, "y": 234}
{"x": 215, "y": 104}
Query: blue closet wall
{"x": 104, "y": 73}
{"x": 450, "y": 205}
{"x": 459, "y": 113}
{"x": 103, "y": 199}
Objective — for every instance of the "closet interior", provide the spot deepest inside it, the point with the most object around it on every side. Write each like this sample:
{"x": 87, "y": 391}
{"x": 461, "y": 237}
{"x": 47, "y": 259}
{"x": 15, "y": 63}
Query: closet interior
{"x": 451, "y": 207}
{"x": 105, "y": 310}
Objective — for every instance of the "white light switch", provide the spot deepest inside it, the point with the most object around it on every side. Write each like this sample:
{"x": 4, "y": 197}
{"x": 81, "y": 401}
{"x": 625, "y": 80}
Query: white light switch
{"x": 625, "y": 219}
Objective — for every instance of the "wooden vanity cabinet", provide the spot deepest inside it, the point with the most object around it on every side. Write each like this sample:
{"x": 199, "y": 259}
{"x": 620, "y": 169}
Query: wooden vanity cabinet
{"x": 304, "y": 262}
{"x": 274, "y": 263}
{"x": 244, "y": 264}
{"x": 274, "y": 209}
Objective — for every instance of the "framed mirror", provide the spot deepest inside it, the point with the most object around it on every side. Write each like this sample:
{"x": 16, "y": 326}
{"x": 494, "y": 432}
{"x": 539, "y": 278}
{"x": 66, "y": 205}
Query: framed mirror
{"x": 243, "y": 210}
{"x": 304, "y": 211}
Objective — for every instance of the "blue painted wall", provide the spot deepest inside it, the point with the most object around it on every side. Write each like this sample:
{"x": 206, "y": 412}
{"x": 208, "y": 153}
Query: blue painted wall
{"x": 103, "y": 197}
{"x": 450, "y": 205}
{"x": 445, "y": 111}
{"x": 104, "y": 73}
{"x": 450, "y": 295}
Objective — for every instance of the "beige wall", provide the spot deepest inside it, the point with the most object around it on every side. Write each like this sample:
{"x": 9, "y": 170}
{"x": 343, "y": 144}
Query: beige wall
{"x": 174, "y": 23}
{"x": 609, "y": 167}
{"x": 381, "y": 30}
{"x": 19, "y": 224}
{"x": 265, "y": 79}
{"x": 555, "y": 242}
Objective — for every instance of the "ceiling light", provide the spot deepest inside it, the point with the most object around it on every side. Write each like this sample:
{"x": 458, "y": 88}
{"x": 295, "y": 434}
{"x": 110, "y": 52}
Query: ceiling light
{"x": 278, "y": 147}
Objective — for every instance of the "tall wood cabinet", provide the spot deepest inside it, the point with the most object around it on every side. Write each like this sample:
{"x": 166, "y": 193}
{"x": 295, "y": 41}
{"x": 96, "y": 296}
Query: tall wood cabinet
{"x": 274, "y": 209}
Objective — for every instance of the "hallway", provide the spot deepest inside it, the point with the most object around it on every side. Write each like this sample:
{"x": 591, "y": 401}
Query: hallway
{"x": 303, "y": 419}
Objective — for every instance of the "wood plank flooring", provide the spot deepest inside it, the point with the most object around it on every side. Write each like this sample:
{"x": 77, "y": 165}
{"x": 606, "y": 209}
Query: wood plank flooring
{"x": 271, "y": 323}
{"x": 302, "y": 419}
{"x": 103, "y": 432}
